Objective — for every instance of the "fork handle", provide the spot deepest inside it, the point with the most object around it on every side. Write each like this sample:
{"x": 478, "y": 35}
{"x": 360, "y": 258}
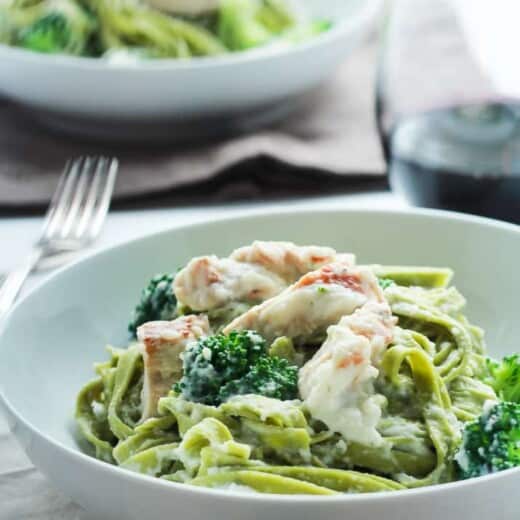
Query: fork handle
{"x": 15, "y": 279}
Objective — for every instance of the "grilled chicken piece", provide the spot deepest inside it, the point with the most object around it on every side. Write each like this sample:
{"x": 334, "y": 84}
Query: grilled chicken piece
{"x": 186, "y": 7}
{"x": 319, "y": 299}
{"x": 337, "y": 384}
{"x": 251, "y": 275}
{"x": 286, "y": 259}
{"x": 161, "y": 343}
{"x": 209, "y": 282}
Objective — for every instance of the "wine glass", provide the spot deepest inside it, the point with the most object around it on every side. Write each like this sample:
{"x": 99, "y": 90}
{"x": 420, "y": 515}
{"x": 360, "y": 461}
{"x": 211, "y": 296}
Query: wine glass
{"x": 448, "y": 110}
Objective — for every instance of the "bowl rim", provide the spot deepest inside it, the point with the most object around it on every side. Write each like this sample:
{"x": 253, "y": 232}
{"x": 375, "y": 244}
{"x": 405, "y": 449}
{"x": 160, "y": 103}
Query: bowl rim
{"x": 79, "y": 456}
{"x": 356, "y": 23}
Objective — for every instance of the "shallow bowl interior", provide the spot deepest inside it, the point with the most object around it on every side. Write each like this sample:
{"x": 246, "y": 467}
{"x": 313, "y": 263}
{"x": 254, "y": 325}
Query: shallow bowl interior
{"x": 53, "y": 337}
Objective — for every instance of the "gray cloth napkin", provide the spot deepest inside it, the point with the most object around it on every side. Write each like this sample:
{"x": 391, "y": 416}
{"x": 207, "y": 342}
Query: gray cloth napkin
{"x": 332, "y": 132}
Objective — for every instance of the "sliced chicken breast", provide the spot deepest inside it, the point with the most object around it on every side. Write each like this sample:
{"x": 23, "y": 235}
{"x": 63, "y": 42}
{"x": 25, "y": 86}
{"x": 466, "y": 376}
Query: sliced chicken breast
{"x": 337, "y": 384}
{"x": 318, "y": 300}
{"x": 251, "y": 275}
{"x": 208, "y": 283}
{"x": 161, "y": 343}
{"x": 286, "y": 259}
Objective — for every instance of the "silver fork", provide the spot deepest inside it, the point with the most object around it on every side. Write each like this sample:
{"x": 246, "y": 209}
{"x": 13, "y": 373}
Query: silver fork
{"x": 73, "y": 221}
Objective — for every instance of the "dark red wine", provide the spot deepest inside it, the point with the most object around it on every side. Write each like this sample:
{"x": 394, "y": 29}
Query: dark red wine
{"x": 464, "y": 159}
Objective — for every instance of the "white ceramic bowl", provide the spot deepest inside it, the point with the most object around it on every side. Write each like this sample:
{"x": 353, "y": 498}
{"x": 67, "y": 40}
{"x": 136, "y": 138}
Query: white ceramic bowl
{"x": 243, "y": 82}
{"x": 53, "y": 336}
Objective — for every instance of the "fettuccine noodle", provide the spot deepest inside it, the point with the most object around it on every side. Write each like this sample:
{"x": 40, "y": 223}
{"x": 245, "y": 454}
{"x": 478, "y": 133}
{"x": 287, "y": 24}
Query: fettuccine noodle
{"x": 428, "y": 384}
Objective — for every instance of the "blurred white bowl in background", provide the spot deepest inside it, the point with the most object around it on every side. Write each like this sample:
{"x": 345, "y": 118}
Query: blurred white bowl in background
{"x": 260, "y": 81}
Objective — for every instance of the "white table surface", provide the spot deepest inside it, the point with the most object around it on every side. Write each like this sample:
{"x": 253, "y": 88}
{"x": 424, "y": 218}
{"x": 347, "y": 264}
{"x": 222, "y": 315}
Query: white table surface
{"x": 24, "y": 492}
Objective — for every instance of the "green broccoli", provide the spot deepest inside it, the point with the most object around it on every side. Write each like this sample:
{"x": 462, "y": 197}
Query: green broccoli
{"x": 492, "y": 442}
{"x": 157, "y": 302}
{"x": 216, "y": 360}
{"x": 505, "y": 377}
{"x": 53, "y": 26}
{"x": 48, "y": 34}
{"x": 269, "y": 376}
{"x": 217, "y": 367}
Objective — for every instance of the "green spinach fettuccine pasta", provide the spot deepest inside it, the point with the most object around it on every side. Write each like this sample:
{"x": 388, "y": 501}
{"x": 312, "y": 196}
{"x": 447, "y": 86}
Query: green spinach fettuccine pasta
{"x": 228, "y": 394}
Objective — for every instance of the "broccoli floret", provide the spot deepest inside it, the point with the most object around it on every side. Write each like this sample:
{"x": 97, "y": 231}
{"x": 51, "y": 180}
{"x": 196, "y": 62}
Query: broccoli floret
{"x": 157, "y": 302}
{"x": 270, "y": 376}
{"x": 48, "y": 34}
{"x": 54, "y": 26}
{"x": 505, "y": 377}
{"x": 211, "y": 363}
{"x": 220, "y": 366}
{"x": 492, "y": 442}
{"x": 385, "y": 282}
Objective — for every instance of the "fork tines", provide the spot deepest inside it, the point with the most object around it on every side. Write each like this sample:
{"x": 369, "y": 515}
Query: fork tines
{"x": 82, "y": 199}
